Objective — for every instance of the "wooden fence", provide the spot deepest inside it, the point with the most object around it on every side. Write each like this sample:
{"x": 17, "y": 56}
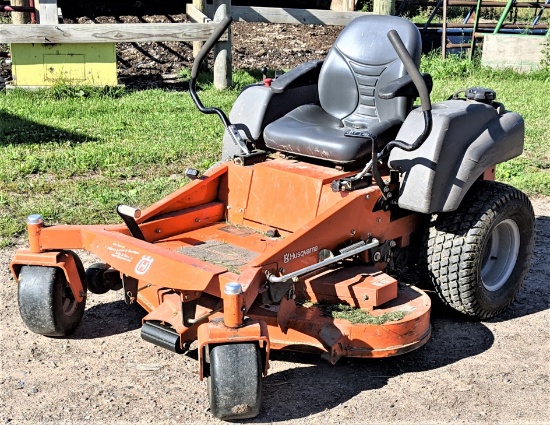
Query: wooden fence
{"x": 204, "y": 17}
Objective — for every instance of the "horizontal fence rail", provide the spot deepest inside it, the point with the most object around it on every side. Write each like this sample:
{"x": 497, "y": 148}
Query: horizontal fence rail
{"x": 105, "y": 33}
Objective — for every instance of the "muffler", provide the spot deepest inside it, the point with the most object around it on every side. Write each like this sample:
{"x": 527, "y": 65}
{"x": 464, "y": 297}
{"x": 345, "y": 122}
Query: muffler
{"x": 161, "y": 335}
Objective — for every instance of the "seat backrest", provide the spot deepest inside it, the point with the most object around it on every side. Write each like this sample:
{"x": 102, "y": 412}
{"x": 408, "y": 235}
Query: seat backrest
{"x": 362, "y": 60}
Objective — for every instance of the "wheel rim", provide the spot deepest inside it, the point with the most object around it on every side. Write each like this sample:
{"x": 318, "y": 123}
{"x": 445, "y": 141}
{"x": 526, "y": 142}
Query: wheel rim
{"x": 500, "y": 255}
{"x": 68, "y": 301}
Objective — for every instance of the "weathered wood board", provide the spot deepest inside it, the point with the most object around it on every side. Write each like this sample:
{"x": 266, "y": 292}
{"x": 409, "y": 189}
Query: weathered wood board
{"x": 290, "y": 16}
{"x": 102, "y": 33}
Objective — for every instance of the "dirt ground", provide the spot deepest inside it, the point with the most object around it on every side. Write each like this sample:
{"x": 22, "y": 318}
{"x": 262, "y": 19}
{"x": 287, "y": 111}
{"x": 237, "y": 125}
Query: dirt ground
{"x": 469, "y": 372}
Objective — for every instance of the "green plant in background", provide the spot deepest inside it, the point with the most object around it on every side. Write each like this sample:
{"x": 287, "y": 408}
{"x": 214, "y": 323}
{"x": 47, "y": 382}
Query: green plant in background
{"x": 62, "y": 90}
{"x": 545, "y": 61}
{"x": 454, "y": 66}
{"x": 419, "y": 13}
{"x": 241, "y": 78}
{"x": 364, "y": 5}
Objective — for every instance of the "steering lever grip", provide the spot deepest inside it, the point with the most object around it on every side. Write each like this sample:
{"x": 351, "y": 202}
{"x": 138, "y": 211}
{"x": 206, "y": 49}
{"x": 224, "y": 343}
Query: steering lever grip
{"x": 411, "y": 68}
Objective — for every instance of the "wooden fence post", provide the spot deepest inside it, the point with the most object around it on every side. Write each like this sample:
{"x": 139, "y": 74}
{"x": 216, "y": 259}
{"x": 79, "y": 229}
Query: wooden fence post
{"x": 222, "y": 50}
{"x": 342, "y": 5}
{"x": 384, "y": 7}
{"x": 20, "y": 17}
{"x": 47, "y": 12}
{"x": 197, "y": 45}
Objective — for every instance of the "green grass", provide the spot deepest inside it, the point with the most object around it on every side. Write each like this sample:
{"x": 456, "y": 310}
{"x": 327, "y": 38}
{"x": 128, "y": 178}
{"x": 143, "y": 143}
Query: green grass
{"x": 73, "y": 158}
{"x": 357, "y": 315}
{"x": 73, "y": 154}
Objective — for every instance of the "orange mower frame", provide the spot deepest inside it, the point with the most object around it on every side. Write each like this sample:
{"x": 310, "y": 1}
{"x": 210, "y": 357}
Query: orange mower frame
{"x": 224, "y": 206}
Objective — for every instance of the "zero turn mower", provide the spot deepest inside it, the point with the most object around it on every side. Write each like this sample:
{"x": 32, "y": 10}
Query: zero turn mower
{"x": 332, "y": 188}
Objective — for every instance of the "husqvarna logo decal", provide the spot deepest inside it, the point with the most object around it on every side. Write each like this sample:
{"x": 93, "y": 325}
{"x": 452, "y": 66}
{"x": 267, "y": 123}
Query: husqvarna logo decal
{"x": 293, "y": 255}
{"x": 144, "y": 264}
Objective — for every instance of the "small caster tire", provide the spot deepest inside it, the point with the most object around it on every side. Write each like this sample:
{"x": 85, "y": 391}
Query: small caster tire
{"x": 46, "y": 302}
{"x": 235, "y": 381}
{"x": 94, "y": 276}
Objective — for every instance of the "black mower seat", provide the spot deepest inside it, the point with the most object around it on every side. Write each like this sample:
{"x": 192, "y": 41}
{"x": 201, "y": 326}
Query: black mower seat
{"x": 360, "y": 63}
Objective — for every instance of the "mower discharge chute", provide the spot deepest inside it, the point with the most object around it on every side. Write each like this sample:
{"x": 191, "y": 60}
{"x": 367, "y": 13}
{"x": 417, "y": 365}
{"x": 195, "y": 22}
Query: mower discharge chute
{"x": 332, "y": 188}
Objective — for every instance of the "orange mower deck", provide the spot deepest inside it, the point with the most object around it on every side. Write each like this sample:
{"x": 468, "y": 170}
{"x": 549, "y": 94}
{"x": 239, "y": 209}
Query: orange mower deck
{"x": 225, "y": 228}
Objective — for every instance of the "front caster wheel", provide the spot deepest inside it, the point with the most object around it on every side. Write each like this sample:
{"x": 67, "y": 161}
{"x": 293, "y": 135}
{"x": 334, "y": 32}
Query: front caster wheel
{"x": 235, "y": 381}
{"x": 479, "y": 255}
{"x": 101, "y": 279}
{"x": 46, "y": 302}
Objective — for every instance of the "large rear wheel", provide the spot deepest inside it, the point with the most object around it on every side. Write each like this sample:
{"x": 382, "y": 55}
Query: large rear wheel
{"x": 235, "y": 381}
{"x": 478, "y": 256}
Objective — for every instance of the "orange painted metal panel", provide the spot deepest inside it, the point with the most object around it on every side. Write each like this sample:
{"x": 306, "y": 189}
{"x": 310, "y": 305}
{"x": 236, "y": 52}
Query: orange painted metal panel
{"x": 312, "y": 171}
{"x": 150, "y": 263}
{"x": 309, "y": 330}
{"x": 344, "y": 223}
{"x": 178, "y": 222}
{"x": 328, "y": 230}
{"x": 148, "y": 296}
{"x": 234, "y": 190}
{"x": 285, "y": 194}
{"x": 61, "y": 260}
{"x": 198, "y": 192}
{"x": 65, "y": 237}
{"x": 238, "y": 236}
{"x": 282, "y": 199}
{"x": 168, "y": 311}
{"x": 359, "y": 286}
{"x": 329, "y": 198}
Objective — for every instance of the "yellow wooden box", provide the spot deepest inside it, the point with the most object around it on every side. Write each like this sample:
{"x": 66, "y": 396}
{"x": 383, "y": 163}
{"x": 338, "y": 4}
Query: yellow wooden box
{"x": 35, "y": 65}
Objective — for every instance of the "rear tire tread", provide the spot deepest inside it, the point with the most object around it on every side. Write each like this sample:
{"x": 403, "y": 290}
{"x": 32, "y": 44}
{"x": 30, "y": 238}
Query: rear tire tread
{"x": 452, "y": 260}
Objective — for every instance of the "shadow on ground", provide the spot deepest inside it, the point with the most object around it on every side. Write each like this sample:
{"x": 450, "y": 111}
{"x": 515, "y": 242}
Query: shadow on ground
{"x": 109, "y": 319}
{"x": 326, "y": 386}
{"x": 18, "y": 131}
{"x": 535, "y": 294}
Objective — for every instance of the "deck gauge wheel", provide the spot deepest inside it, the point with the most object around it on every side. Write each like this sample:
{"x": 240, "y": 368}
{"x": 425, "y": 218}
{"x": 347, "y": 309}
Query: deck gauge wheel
{"x": 235, "y": 381}
{"x": 46, "y": 302}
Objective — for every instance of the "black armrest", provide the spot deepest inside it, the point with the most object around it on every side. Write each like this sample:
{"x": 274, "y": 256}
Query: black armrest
{"x": 303, "y": 75}
{"x": 403, "y": 87}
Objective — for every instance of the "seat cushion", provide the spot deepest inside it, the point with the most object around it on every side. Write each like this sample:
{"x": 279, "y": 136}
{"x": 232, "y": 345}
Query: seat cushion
{"x": 310, "y": 131}
{"x": 361, "y": 61}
